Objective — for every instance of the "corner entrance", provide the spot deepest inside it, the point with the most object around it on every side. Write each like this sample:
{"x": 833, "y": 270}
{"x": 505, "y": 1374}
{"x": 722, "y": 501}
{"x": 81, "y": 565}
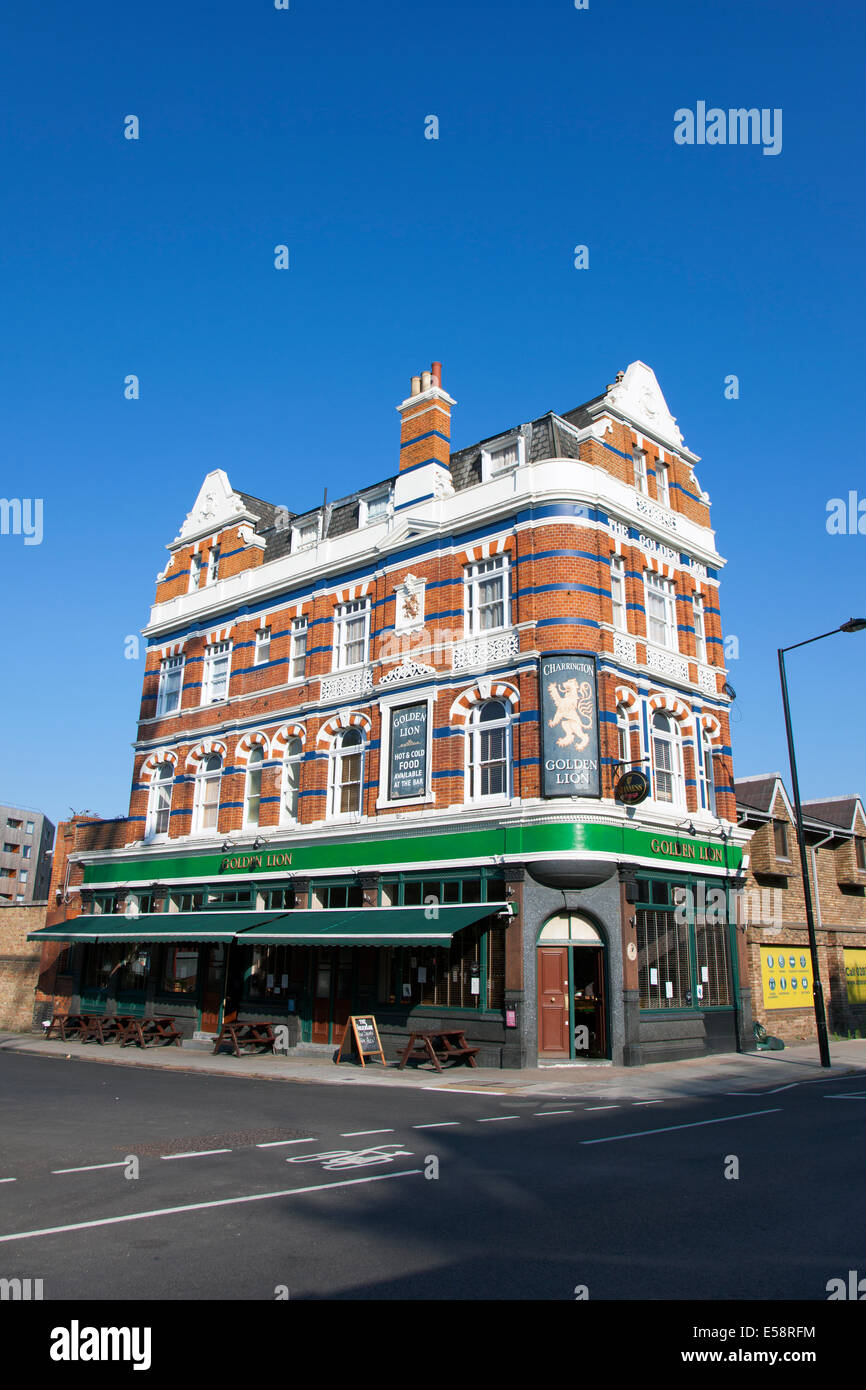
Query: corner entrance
{"x": 572, "y": 1005}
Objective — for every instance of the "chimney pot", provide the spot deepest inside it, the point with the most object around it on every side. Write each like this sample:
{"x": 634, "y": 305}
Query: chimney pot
{"x": 425, "y": 381}
{"x": 436, "y": 372}
{"x": 416, "y": 385}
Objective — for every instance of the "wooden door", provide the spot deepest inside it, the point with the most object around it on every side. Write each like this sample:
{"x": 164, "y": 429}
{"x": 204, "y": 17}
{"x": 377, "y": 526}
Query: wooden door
{"x": 553, "y": 1009}
{"x": 322, "y": 996}
{"x": 213, "y": 980}
{"x": 343, "y": 990}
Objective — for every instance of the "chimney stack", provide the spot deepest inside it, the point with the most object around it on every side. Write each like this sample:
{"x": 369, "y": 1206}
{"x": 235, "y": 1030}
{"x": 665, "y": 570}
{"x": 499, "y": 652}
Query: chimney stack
{"x": 425, "y": 439}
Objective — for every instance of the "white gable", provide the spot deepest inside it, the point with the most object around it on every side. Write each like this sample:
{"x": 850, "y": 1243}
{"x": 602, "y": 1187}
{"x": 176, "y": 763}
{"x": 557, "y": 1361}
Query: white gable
{"x": 217, "y": 505}
{"x": 639, "y": 398}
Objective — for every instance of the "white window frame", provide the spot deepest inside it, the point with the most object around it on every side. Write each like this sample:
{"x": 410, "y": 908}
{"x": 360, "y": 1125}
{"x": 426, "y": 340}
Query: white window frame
{"x": 671, "y": 739}
{"x": 346, "y": 615}
{"x": 336, "y": 758}
{"x": 491, "y": 463}
{"x": 203, "y": 781}
{"x": 638, "y": 460}
{"x": 480, "y": 571}
{"x": 663, "y": 483}
{"x": 475, "y": 729}
{"x": 300, "y": 628}
{"x": 623, "y": 739}
{"x": 700, "y": 626}
{"x": 656, "y": 586}
{"x": 213, "y": 653}
{"x": 706, "y": 772}
{"x": 29, "y": 827}
{"x": 213, "y": 565}
{"x": 364, "y": 517}
{"x": 194, "y": 571}
{"x": 291, "y": 761}
{"x": 157, "y": 805}
{"x": 262, "y": 652}
{"x": 23, "y": 875}
{"x": 253, "y": 786}
{"x": 167, "y": 667}
{"x": 298, "y": 544}
{"x": 617, "y": 593}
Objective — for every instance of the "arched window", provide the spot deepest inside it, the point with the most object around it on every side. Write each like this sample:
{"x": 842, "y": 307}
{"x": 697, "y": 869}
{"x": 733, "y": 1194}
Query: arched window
{"x": 253, "y": 789}
{"x": 346, "y": 774}
{"x": 291, "y": 780}
{"x": 668, "y": 761}
{"x": 707, "y": 774}
{"x": 489, "y": 751}
{"x": 207, "y": 794}
{"x": 159, "y": 801}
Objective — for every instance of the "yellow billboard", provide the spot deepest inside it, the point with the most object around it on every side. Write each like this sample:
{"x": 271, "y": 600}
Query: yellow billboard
{"x": 786, "y": 977}
{"x": 855, "y": 975}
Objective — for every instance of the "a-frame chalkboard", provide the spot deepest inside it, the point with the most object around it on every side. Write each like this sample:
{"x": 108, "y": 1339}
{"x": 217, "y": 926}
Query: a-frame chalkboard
{"x": 361, "y": 1037}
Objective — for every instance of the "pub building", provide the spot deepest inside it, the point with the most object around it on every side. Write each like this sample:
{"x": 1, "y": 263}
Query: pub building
{"x": 442, "y": 751}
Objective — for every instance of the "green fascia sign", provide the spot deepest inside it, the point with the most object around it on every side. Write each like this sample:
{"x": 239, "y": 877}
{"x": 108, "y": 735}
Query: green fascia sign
{"x": 514, "y": 843}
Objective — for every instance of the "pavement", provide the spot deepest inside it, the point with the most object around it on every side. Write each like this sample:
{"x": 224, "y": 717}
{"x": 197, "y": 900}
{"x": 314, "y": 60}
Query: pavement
{"x": 726, "y": 1073}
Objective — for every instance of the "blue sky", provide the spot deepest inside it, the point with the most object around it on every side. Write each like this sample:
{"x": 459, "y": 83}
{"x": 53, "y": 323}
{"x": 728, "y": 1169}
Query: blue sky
{"x": 306, "y": 127}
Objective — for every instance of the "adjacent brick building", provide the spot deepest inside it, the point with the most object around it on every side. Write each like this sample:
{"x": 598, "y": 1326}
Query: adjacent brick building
{"x": 777, "y": 940}
{"x": 378, "y": 745}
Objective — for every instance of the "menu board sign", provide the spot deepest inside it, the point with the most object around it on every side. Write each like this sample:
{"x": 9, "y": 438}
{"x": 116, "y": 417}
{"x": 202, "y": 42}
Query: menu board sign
{"x": 408, "y": 751}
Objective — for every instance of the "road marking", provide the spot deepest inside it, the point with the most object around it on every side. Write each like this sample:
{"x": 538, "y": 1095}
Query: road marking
{"x": 696, "y": 1124}
{"x": 602, "y": 1107}
{"x": 435, "y": 1124}
{"x": 201, "y": 1153}
{"x": 649, "y": 1102}
{"x": 8, "y": 1179}
{"x": 204, "y": 1206}
{"x": 464, "y": 1091}
{"x": 554, "y": 1112}
{"x": 842, "y": 1095}
{"x": 275, "y": 1143}
{"x": 491, "y": 1119}
{"x": 357, "y": 1133}
{"x": 90, "y": 1167}
{"x": 773, "y": 1092}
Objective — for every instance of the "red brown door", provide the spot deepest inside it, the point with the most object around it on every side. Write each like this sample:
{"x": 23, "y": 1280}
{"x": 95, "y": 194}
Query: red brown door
{"x": 213, "y": 984}
{"x": 553, "y": 1011}
{"x": 343, "y": 991}
{"x": 321, "y": 1030}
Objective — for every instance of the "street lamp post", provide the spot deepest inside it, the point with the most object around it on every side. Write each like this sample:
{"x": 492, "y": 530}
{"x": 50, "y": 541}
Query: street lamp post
{"x": 852, "y": 625}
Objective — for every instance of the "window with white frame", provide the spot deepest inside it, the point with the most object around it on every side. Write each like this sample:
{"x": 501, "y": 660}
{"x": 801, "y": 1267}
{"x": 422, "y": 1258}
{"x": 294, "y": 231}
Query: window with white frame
{"x": 663, "y": 491}
{"x": 667, "y": 760}
{"x": 488, "y": 753}
{"x": 263, "y": 646}
{"x": 374, "y": 508}
{"x": 623, "y": 738}
{"x": 194, "y": 572}
{"x": 207, "y": 794}
{"x": 28, "y": 828}
{"x": 661, "y": 611}
{"x": 23, "y": 875}
{"x": 487, "y": 597}
{"x": 502, "y": 458}
{"x": 617, "y": 592}
{"x": 170, "y": 685}
{"x": 351, "y": 632}
{"x": 213, "y": 565}
{"x": 253, "y": 787}
{"x": 346, "y": 774}
{"x": 638, "y": 459}
{"x": 298, "y": 652}
{"x": 706, "y": 774}
{"x": 700, "y": 628}
{"x": 306, "y": 535}
{"x": 291, "y": 781}
{"x": 215, "y": 679}
{"x": 159, "y": 801}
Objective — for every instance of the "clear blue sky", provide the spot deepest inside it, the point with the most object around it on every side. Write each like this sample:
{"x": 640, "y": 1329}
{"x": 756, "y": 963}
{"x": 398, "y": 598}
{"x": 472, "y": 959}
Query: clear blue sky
{"x": 306, "y": 127}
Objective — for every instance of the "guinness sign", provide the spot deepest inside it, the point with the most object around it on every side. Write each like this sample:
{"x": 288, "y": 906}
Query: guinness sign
{"x": 632, "y": 788}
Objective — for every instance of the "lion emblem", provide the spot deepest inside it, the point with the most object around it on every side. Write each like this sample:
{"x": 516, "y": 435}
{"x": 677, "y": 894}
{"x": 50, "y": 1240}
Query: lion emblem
{"x": 573, "y": 700}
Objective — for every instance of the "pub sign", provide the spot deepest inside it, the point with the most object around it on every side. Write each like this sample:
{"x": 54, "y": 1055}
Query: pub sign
{"x": 408, "y": 751}
{"x": 569, "y": 726}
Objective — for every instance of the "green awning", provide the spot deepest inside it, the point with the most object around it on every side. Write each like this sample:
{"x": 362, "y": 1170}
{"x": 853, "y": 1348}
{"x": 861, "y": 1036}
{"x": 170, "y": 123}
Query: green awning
{"x": 353, "y": 926}
{"x": 370, "y": 926}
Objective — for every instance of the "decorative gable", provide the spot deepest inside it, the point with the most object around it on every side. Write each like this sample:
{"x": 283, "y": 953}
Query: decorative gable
{"x": 637, "y": 395}
{"x": 216, "y": 506}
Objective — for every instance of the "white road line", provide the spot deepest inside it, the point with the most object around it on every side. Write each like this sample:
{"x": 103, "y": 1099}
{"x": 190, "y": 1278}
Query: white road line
{"x": 773, "y": 1092}
{"x": 649, "y": 1102}
{"x": 847, "y": 1095}
{"x": 696, "y": 1124}
{"x": 491, "y": 1119}
{"x": 554, "y": 1112}
{"x": 435, "y": 1124}
{"x": 204, "y": 1206}
{"x": 602, "y": 1107}
{"x": 8, "y": 1179}
{"x": 201, "y": 1153}
{"x": 277, "y": 1143}
{"x": 464, "y": 1091}
{"x": 90, "y": 1168}
{"x": 356, "y": 1133}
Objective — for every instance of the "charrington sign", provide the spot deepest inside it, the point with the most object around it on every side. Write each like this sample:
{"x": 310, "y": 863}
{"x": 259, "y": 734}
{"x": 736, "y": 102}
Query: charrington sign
{"x": 569, "y": 726}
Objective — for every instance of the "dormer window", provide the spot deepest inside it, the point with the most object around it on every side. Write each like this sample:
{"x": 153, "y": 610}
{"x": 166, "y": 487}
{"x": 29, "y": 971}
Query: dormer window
{"x": 374, "y": 508}
{"x": 306, "y": 535}
{"x": 502, "y": 457}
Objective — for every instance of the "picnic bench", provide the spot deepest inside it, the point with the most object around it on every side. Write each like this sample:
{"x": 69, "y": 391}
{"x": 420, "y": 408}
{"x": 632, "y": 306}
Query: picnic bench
{"x": 431, "y": 1045}
{"x": 67, "y": 1025}
{"x": 101, "y": 1028}
{"x": 240, "y": 1034}
{"x": 146, "y": 1032}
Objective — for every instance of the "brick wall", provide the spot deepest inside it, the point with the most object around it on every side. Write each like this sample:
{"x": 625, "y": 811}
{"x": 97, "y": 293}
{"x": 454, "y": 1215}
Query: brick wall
{"x": 19, "y": 964}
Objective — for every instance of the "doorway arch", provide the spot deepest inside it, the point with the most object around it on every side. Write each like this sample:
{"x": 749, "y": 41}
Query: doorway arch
{"x": 572, "y": 988}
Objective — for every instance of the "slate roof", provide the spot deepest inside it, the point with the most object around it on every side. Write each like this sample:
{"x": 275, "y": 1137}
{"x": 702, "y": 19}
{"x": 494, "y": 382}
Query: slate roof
{"x": 756, "y": 793}
{"x": 834, "y": 810}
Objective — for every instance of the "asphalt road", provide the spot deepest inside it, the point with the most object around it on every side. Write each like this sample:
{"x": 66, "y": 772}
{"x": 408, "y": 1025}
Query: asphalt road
{"x": 242, "y": 1189}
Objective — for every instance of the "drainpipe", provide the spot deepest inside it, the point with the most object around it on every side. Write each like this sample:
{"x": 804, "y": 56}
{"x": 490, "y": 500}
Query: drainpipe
{"x": 812, "y": 848}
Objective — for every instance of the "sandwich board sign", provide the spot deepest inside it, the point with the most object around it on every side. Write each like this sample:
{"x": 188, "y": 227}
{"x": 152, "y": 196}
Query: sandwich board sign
{"x": 361, "y": 1036}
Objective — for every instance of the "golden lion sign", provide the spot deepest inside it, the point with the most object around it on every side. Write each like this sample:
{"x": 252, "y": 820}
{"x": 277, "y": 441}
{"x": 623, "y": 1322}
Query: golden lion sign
{"x": 569, "y": 726}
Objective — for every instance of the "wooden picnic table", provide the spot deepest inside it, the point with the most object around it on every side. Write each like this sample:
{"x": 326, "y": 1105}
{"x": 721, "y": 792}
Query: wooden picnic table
{"x": 245, "y": 1034}
{"x": 101, "y": 1028}
{"x": 429, "y": 1045}
{"x": 66, "y": 1025}
{"x": 145, "y": 1032}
